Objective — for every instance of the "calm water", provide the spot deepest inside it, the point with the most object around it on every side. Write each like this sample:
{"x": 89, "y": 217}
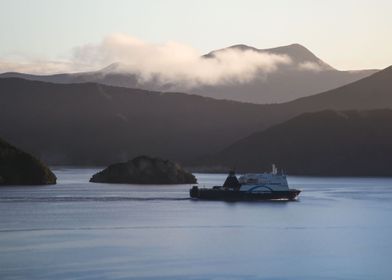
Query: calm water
{"x": 341, "y": 228}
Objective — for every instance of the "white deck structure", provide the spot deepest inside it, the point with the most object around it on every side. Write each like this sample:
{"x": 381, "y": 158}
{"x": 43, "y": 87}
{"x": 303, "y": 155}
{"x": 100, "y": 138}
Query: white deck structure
{"x": 264, "y": 182}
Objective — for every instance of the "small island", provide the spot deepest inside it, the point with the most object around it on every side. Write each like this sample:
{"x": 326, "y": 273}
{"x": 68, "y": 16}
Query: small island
{"x": 20, "y": 168}
{"x": 144, "y": 170}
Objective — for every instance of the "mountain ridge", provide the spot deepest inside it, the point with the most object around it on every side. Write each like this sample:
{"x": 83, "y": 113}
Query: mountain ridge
{"x": 297, "y": 52}
{"x": 94, "y": 124}
{"x": 333, "y": 143}
{"x": 307, "y": 75}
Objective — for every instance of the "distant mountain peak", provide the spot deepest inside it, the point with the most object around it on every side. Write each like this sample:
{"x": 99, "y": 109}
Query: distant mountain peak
{"x": 296, "y": 45}
{"x": 299, "y": 54}
{"x": 245, "y": 47}
{"x": 242, "y": 47}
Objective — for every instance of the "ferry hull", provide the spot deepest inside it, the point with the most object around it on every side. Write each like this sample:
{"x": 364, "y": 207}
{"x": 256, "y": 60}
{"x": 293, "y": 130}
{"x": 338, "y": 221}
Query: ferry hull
{"x": 231, "y": 195}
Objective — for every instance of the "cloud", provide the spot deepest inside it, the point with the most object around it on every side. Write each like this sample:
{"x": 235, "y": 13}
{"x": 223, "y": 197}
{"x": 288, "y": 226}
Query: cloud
{"x": 42, "y": 67}
{"x": 169, "y": 62}
{"x": 310, "y": 66}
{"x": 172, "y": 62}
{"x": 23, "y": 63}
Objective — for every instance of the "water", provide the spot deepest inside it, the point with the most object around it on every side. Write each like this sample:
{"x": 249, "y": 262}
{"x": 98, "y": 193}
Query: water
{"x": 340, "y": 228}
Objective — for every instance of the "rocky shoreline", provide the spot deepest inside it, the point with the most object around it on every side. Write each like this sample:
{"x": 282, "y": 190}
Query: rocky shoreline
{"x": 20, "y": 168}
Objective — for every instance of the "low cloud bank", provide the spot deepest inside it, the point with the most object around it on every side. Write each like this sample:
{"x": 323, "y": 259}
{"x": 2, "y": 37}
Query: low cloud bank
{"x": 169, "y": 62}
{"x": 42, "y": 67}
{"x": 173, "y": 62}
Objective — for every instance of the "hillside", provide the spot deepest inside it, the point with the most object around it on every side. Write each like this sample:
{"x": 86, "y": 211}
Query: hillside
{"x": 20, "y": 168}
{"x": 371, "y": 92}
{"x": 96, "y": 124}
{"x": 92, "y": 124}
{"x": 348, "y": 143}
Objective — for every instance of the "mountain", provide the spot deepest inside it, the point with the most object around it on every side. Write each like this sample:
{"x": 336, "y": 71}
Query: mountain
{"x": 93, "y": 124}
{"x": 298, "y": 53}
{"x": 306, "y": 75}
{"x": 346, "y": 143}
{"x": 20, "y": 168}
{"x": 110, "y": 75}
{"x": 371, "y": 92}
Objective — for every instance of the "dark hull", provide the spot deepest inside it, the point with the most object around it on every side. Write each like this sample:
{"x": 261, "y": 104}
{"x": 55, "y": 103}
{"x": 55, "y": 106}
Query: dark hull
{"x": 231, "y": 195}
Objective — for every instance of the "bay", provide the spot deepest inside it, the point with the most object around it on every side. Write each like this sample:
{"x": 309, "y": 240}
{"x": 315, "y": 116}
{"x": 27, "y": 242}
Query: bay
{"x": 340, "y": 228}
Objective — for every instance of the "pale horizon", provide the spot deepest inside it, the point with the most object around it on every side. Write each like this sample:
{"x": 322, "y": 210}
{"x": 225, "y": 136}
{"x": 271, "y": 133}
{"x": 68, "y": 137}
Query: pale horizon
{"x": 348, "y": 35}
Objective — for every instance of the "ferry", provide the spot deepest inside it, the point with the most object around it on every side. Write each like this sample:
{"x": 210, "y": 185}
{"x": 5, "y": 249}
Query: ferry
{"x": 249, "y": 187}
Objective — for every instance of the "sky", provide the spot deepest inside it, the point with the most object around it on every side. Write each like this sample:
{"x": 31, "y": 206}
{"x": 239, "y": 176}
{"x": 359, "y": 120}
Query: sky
{"x": 346, "y": 34}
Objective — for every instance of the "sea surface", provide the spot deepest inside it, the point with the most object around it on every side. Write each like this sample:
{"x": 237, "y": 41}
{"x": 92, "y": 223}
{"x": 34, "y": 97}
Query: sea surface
{"x": 340, "y": 228}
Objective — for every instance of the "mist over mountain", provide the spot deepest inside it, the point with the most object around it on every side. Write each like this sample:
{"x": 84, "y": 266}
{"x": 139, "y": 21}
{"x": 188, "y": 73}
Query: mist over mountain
{"x": 97, "y": 124}
{"x": 299, "y": 55}
{"x": 240, "y": 72}
{"x": 305, "y": 75}
{"x": 345, "y": 143}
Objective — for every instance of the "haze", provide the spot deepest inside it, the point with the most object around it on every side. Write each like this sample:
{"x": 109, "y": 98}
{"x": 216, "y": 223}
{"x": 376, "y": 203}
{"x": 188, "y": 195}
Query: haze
{"x": 348, "y": 34}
